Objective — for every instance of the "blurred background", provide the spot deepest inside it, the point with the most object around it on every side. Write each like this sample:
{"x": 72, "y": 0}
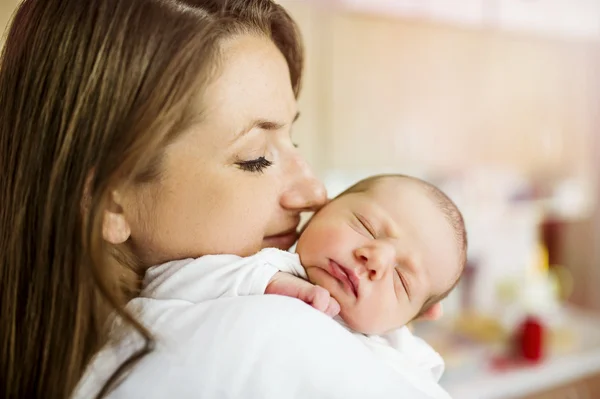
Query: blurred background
{"x": 498, "y": 103}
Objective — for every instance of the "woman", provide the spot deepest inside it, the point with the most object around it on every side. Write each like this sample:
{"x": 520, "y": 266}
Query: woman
{"x": 137, "y": 132}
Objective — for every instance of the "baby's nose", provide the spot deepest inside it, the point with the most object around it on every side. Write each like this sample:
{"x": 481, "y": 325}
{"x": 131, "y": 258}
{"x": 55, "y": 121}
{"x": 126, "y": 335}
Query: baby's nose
{"x": 376, "y": 259}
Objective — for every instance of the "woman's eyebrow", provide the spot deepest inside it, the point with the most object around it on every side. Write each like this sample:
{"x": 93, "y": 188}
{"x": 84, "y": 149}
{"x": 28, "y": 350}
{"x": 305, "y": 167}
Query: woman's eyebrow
{"x": 264, "y": 124}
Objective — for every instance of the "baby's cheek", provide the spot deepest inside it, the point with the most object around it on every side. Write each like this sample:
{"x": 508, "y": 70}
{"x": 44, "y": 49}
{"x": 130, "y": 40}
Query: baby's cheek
{"x": 404, "y": 314}
{"x": 382, "y": 316}
{"x": 365, "y": 319}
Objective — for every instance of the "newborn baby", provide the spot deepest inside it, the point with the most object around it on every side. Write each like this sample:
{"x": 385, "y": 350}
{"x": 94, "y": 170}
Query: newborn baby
{"x": 388, "y": 249}
{"x": 383, "y": 253}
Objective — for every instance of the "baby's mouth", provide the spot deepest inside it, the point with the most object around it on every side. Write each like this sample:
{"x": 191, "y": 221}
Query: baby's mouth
{"x": 346, "y": 276}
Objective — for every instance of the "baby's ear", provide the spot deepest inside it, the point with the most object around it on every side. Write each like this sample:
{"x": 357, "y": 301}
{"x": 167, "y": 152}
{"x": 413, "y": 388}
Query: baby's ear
{"x": 433, "y": 313}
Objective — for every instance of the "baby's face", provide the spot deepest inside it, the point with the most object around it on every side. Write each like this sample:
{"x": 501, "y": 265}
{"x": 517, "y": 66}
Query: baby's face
{"x": 381, "y": 254}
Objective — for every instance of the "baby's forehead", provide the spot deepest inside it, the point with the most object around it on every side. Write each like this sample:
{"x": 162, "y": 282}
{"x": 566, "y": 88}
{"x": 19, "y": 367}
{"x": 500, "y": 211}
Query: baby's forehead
{"x": 388, "y": 183}
{"x": 396, "y": 192}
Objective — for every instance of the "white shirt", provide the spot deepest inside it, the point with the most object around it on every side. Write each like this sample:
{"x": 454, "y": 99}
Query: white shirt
{"x": 219, "y": 341}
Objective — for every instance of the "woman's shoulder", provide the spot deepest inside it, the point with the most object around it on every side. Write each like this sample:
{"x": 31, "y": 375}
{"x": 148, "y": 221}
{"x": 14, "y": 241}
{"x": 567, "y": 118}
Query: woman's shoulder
{"x": 242, "y": 324}
{"x": 255, "y": 347}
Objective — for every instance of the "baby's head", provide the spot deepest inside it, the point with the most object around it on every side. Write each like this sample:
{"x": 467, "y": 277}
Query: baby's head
{"x": 389, "y": 249}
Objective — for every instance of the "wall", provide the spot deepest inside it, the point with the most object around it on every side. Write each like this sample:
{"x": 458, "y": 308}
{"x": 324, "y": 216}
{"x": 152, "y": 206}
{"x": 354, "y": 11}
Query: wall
{"x": 424, "y": 95}
{"x": 7, "y": 7}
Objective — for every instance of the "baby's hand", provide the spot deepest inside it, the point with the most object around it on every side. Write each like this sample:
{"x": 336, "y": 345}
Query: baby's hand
{"x": 295, "y": 287}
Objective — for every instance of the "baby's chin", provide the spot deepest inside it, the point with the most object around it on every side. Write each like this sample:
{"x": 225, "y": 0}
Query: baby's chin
{"x": 356, "y": 315}
{"x": 366, "y": 323}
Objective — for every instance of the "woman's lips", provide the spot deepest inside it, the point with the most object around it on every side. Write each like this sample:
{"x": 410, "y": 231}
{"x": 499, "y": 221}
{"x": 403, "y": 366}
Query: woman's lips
{"x": 346, "y": 276}
{"x": 282, "y": 241}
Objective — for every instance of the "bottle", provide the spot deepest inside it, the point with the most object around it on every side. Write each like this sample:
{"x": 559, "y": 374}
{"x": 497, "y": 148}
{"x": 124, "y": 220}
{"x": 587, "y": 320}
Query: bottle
{"x": 530, "y": 339}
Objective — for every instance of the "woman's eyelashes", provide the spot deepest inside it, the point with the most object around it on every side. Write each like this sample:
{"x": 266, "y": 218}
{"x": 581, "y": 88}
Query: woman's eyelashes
{"x": 257, "y": 165}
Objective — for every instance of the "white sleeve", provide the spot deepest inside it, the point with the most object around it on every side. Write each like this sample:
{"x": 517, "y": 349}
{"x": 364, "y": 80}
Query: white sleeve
{"x": 284, "y": 261}
{"x": 210, "y": 277}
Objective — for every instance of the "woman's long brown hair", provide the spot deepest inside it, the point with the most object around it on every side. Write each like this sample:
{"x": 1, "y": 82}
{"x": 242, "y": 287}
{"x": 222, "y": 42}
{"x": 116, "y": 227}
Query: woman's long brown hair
{"x": 90, "y": 92}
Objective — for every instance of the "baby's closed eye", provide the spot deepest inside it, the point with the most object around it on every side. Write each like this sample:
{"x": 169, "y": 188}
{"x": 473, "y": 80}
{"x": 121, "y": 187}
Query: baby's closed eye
{"x": 404, "y": 281}
{"x": 365, "y": 225}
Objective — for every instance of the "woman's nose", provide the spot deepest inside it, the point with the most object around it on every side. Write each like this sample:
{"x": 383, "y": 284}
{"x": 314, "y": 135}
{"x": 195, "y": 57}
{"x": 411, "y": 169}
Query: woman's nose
{"x": 377, "y": 258}
{"x": 304, "y": 192}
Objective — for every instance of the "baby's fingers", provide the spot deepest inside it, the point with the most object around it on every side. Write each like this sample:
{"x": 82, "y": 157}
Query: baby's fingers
{"x": 318, "y": 298}
{"x": 333, "y": 308}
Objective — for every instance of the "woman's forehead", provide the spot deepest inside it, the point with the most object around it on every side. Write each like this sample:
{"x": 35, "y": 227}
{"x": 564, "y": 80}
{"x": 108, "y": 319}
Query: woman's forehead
{"x": 252, "y": 86}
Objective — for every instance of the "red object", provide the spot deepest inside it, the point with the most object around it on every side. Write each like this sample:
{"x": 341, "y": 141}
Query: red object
{"x": 530, "y": 343}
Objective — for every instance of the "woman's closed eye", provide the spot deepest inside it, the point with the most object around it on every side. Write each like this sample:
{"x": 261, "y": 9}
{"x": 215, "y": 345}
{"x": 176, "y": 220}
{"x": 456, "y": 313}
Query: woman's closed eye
{"x": 257, "y": 165}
